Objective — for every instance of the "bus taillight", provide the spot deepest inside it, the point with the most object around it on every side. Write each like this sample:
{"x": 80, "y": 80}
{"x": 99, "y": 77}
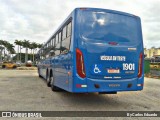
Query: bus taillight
{"x": 140, "y": 65}
{"x": 82, "y": 8}
{"x": 80, "y": 64}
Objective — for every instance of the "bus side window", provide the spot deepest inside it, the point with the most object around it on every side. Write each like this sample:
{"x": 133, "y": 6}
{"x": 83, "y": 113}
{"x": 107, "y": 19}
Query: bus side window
{"x": 52, "y": 43}
{"x": 66, "y": 41}
{"x": 57, "y": 39}
{"x": 41, "y": 54}
{"x": 69, "y": 29}
{"x": 60, "y": 37}
{"x": 64, "y": 33}
{"x": 57, "y": 49}
{"x": 52, "y": 48}
{"x": 46, "y": 50}
{"x": 49, "y": 43}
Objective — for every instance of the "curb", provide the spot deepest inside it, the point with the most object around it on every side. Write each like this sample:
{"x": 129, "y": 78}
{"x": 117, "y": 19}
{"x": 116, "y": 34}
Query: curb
{"x": 26, "y": 68}
{"x": 152, "y": 76}
{"x": 21, "y": 68}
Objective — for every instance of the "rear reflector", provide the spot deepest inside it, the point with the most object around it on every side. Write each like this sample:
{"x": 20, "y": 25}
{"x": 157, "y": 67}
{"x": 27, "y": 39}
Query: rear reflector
{"x": 83, "y": 8}
{"x": 112, "y": 43}
{"x": 140, "y": 65}
{"x": 139, "y": 85}
{"x": 80, "y": 64}
{"x": 80, "y": 86}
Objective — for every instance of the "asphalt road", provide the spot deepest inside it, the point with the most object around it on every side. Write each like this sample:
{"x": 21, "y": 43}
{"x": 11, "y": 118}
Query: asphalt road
{"x": 23, "y": 90}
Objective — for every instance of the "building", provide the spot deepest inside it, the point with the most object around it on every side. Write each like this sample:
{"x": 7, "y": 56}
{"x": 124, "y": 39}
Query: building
{"x": 152, "y": 52}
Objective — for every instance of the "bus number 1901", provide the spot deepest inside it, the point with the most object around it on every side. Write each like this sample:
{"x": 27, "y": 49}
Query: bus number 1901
{"x": 130, "y": 66}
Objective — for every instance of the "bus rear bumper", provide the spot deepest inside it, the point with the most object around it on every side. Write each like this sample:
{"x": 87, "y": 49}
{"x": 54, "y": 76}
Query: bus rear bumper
{"x": 96, "y": 85}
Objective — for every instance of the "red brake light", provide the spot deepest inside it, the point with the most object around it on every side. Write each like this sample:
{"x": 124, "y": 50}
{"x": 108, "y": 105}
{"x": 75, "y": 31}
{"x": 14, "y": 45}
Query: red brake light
{"x": 140, "y": 65}
{"x": 112, "y": 43}
{"x": 80, "y": 64}
{"x": 83, "y": 8}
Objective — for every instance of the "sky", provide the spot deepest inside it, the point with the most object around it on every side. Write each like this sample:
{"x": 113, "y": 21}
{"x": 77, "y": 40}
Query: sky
{"x": 36, "y": 20}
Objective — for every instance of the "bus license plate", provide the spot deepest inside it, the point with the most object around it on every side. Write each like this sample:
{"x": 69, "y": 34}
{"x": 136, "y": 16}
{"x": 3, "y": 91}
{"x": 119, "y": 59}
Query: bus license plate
{"x": 113, "y": 71}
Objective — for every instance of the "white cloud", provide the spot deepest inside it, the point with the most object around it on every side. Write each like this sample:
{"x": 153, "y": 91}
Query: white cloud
{"x": 36, "y": 20}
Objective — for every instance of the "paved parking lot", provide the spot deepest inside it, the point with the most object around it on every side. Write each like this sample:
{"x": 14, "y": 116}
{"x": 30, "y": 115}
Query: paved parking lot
{"x": 23, "y": 90}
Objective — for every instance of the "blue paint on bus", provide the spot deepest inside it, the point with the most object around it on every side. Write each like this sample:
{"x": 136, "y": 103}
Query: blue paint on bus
{"x": 95, "y": 50}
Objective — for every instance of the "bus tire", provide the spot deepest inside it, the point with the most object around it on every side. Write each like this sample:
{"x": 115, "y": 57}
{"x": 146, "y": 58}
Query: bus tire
{"x": 53, "y": 87}
{"x": 39, "y": 74}
{"x": 48, "y": 80}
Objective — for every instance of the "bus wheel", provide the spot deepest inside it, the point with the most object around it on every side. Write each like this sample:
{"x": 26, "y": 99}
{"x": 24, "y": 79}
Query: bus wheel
{"x": 48, "y": 81}
{"x": 39, "y": 73}
{"x": 53, "y": 87}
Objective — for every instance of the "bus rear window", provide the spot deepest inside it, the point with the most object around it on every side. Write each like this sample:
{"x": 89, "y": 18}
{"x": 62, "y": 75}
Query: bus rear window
{"x": 109, "y": 27}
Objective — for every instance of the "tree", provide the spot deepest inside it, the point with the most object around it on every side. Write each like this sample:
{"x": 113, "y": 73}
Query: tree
{"x": 39, "y": 45}
{"x": 17, "y": 42}
{"x": 4, "y": 43}
{"x": 20, "y": 44}
{"x": 1, "y": 49}
{"x": 26, "y": 45}
{"x": 7, "y": 46}
{"x": 10, "y": 49}
{"x": 1, "y": 42}
{"x": 33, "y": 47}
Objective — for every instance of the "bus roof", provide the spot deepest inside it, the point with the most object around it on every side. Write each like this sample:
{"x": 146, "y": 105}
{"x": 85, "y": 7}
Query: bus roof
{"x": 107, "y": 10}
{"x": 91, "y": 9}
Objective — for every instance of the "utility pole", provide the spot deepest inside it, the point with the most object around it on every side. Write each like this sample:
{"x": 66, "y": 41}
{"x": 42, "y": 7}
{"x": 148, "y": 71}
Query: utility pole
{"x": 20, "y": 53}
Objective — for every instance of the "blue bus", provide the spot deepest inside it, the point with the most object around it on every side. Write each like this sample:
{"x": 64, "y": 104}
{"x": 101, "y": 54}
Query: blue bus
{"x": 94, "y": 50}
